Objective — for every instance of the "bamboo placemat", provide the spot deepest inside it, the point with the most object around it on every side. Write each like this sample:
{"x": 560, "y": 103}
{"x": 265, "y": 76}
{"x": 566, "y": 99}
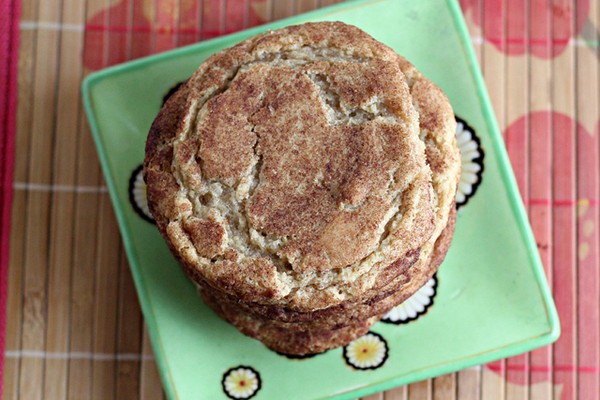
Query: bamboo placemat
{"x": 74, "y": 328}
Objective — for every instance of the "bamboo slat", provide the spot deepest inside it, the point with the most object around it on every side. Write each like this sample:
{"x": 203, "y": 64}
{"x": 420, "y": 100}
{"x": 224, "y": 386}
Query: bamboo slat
{"x": 35, "y": 264}
{"x": 564, "y": 179}
{"x": 79, "y": 379}
{"x": 68, "y": 122}
{"x": 150, "y": 386}
{"x": 468, "y": 383}
{"x": 399, "y": 393}
{"x": 129, "y": 337}
{"x": 540, "y": 167}
{"x": 444, "y": 387}
{"x": 493, "y": 21}
{"x": 517, "y": 146}
{"x": 588, "y": 192}
{"x": 106, "y": 292}
{"x": 421, "y": 390}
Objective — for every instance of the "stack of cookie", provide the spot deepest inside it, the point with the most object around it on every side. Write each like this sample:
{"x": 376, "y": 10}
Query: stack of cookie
{"x": 305, "y": 180}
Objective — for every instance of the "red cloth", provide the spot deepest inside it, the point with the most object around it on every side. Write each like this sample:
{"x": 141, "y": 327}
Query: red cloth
{"x": 9, "y": 38}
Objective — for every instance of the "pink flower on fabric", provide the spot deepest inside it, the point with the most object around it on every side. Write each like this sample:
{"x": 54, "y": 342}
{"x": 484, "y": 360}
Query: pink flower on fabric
{"x": 136, "y": 28}
{"x": 542, "y": 27}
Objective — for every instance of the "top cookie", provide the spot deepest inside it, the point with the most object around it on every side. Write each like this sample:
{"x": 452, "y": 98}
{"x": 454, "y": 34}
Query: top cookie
{"x": 289, "y": 169}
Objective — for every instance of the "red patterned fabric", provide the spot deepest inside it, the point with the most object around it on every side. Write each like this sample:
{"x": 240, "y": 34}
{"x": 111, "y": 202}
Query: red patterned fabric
{"x": 9, "y": 37}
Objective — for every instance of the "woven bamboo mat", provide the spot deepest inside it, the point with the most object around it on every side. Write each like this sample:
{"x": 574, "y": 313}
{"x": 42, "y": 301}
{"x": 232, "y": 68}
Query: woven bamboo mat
{"x": 74, "y": 328}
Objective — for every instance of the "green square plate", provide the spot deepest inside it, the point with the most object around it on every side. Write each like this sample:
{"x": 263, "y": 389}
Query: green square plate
{"x": 492, "y": 299}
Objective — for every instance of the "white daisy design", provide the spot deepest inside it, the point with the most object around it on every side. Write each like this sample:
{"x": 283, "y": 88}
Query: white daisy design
{"x": 137, "y": 194}
{"x": 413, "y": 307}
{"x": 472, "y": 162}
{"x": 367, "y": 352}
{"x": 241, "y": 382}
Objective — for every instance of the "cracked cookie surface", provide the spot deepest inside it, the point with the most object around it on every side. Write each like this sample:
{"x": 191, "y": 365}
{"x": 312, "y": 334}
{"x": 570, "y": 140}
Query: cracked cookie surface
{"x": 288, "y": 170}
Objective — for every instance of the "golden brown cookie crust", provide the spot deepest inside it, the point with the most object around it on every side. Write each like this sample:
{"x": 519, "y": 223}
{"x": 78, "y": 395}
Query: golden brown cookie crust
{"x": 288, "y": 170}
{"x": 289, "y": 339}
{"x": 380, "y": 302}
{"x": 401, "y": 279}
{"x": 322, "y": 330}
